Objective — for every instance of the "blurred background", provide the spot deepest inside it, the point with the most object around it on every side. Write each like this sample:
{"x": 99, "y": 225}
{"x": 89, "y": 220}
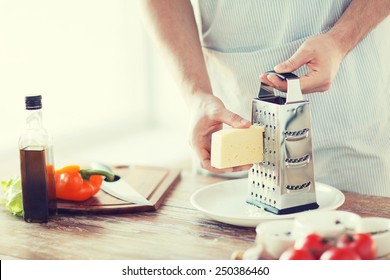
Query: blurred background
{"x": 106, "y": 93}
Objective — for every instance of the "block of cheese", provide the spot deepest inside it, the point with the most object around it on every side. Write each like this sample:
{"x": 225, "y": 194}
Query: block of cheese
{"x": 237, "y": 146}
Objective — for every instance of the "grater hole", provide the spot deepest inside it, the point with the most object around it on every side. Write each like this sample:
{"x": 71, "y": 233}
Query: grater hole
{"x": 274, "y": 201}
{"x": 297, "y": 132}
{"x": 298, "y": 187}
{"x": 297, "y": 160}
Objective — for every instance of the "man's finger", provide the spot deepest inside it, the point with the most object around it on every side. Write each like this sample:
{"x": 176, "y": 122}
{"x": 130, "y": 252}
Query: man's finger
{"x": 298, "y": 59}
{"x": 314, "y": 82}
{"x": 277, "y": 82}
{"x": 233, "y": 119}
{"x": 242, "y": 167}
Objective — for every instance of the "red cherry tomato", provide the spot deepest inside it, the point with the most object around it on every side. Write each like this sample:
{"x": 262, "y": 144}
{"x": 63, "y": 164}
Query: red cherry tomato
{"x": 296, "y": 254}
{"x": 313, "y": 243}
{"x": 340, "y": 254}
{"x": 361, "y": 243}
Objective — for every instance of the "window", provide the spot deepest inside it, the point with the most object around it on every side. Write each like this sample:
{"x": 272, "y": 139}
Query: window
{"x": 92, "y": 62}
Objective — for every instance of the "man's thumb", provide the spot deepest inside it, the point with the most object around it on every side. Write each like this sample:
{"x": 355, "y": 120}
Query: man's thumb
{"x": 298, "y": 59}
{"x": 233, "y": 119}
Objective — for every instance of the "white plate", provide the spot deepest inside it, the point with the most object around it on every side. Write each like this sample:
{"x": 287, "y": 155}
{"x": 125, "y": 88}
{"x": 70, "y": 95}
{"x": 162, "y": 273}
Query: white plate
{"x": 225, "y": 202}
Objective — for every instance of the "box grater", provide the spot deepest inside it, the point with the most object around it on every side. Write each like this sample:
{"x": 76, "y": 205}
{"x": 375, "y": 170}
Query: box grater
{"x": 283, "y": 182}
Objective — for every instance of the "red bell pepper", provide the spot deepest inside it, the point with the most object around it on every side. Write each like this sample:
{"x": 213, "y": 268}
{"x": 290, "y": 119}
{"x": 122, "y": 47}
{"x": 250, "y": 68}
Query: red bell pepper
{"x": 73, "y": 183}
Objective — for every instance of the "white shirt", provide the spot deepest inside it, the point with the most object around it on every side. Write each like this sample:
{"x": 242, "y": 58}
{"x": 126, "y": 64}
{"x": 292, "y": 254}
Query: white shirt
{"x": 350, "y": 122}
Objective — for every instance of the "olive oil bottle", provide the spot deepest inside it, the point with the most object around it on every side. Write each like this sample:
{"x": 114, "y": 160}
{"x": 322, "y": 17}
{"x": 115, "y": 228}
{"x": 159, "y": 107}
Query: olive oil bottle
{"x": 37, "y": 166}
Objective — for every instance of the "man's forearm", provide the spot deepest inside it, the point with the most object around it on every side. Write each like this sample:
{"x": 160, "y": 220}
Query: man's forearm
{"x": 357, "y": 21}
{"x": 172, "y": 26}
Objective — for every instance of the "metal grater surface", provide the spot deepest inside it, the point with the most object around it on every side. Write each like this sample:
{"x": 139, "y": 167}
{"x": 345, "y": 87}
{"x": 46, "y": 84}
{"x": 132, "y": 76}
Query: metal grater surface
{"x": 284, "y": 182}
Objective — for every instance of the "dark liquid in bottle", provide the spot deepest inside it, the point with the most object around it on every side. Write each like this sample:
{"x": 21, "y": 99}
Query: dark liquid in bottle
{"x": 34, "y": 185}
{"x": 51, "y": 189}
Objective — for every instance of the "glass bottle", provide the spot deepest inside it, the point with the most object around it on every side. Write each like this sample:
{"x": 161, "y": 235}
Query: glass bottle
{"x": 37, "y": 166}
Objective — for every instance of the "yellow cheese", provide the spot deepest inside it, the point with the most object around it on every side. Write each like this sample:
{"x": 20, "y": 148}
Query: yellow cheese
{"x": 237, "y": 146}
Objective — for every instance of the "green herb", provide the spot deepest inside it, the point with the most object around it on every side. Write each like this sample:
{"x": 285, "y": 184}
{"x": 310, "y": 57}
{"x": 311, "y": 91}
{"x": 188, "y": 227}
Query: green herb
{"x": 12, "y": 196}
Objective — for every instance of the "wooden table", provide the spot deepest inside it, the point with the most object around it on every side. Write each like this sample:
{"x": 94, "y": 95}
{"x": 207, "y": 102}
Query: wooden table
{"x": 175, "y": 231}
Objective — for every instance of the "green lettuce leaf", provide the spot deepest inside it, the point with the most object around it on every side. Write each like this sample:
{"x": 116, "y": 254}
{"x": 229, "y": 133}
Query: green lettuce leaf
{"x": 12, "y": 196}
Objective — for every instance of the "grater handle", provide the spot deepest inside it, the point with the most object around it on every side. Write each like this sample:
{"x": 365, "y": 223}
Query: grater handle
{"x": 294, "y": 93}
{"x": 283, "y": 76}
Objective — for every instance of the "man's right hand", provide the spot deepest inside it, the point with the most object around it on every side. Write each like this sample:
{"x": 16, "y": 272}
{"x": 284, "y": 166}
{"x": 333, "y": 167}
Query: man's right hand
{"x": 208, "y": 114}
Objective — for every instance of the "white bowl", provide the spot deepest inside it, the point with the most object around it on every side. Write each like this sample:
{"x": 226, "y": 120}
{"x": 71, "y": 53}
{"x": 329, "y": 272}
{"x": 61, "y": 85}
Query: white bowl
{"x": 276, "y": 236}
{"x": 331, "y": 223}
{"x": 379, "y": 228}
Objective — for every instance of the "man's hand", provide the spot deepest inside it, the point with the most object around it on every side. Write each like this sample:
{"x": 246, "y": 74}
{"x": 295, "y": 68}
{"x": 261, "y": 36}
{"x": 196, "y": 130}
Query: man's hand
{"x": 208, "y": 114}
{"x": 321, "y": 55}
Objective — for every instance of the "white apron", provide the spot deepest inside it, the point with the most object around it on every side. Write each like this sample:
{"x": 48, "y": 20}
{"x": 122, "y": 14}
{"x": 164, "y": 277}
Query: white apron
{"x": 351, "y": 121}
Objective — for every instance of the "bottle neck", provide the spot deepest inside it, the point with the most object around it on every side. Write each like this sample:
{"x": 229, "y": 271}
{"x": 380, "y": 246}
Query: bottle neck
{"x": 34, "y": 119}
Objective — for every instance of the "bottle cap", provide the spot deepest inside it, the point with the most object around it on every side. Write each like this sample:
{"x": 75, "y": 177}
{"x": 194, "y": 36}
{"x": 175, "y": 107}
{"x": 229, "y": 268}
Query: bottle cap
{"x": 33, "y": 102}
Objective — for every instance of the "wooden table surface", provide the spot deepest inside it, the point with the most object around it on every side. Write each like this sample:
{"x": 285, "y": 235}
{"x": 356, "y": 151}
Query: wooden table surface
{"x": 175, "y": 231}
